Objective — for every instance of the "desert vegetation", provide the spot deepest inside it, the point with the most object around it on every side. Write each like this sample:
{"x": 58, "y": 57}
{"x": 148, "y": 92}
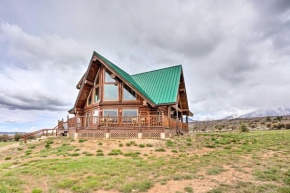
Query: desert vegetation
{"x": 206, "y": 162}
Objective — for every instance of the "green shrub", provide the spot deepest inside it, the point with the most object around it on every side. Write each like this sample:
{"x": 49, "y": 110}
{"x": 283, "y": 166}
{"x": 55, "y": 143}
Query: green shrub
{"x": 100, "y": 154}
{"x": 287, "y": 125}
{"x": 174, "y": 151}
{"x": 188, "y": 139}
{"x": 99, "y": 150}
{"x": 47, "y": 146}
{"x": 142, "y": 145}
{"x": 169, "y": 143}
{"x": 77, "y": 149}
{"x": 37, "y": 190}
{"x": 149, "y": 145}
{"x": 160, "y": 150}
{"x": 82, "y": 140}
{"x": 49, "y": 142}
{"x": 268, "y": 119}
{"x": 188, "y": 144}
{"x": 19, "y": 149}
{"x": 244, "y": 128}
{"x": 128, "y": 144}
{"x": 100, "y": 143}
{"x": 115, "y": 152}
{"x": 120, "y": 144}
{"x": 17, "y": 137}
{"x": 32, "y": 147}
{"x": 8, "y": 158}
{"x": 188, "y": 189}
{"x": 74, "y": 154}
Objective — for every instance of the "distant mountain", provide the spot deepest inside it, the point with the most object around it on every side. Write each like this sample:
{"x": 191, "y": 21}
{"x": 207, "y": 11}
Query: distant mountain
{"x": 279, "y": 111}
{"x": 189, "y": 120}
{"x": 11, "y": 133}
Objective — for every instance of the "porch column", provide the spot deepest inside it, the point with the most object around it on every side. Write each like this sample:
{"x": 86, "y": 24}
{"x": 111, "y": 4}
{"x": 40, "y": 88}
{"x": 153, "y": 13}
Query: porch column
{"x": 177, "y": 120}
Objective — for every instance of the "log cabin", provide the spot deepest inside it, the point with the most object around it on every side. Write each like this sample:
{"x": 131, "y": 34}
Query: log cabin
{"x": 113, "y": 104}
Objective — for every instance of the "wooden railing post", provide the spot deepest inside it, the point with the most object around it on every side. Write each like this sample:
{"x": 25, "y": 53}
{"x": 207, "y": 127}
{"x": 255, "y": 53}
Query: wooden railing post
{"x": 78, "y": 120}
{"x": 163, "y": 121}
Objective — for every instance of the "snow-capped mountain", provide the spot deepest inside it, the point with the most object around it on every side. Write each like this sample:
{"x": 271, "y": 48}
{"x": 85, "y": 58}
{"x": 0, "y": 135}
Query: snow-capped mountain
{"x": 279, "y": 111}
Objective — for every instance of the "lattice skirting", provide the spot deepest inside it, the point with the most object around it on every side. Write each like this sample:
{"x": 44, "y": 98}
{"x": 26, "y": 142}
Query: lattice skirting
{"x": 123, "y": 135}
{"x": 151, "y": 135}
{"x": 91, "y": 135}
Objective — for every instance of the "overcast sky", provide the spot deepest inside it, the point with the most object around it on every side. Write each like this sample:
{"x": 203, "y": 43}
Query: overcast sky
{"x": 235, "y": 54}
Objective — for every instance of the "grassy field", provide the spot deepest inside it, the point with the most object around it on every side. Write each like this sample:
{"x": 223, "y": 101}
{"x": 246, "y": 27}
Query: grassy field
{"x": 2, "y": 144}
{"x": 214, "y": 163}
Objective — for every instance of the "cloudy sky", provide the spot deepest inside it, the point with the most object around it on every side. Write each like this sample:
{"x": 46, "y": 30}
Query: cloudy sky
{"x": 235, "y": 54}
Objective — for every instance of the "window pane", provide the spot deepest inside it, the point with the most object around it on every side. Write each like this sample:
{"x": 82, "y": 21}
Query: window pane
{"x": 90, "y": 100}
{"x": 111, "y": 92}
{"x": 130, "y": 115}
{"x": 130, "y": 112}
{"x": 128, "y": 94}
{"x": 97, "y": 79}
{"x": 111, "y": 112}
{"x": 95, "y": 117}
{"x": 97, "y": 94}
{"x": 108, "y": 77}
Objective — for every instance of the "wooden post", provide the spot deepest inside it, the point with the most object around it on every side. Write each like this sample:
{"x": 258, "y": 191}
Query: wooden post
{"x": 139, "y": 121}
{"x": 163, "y": 126}
{"x": 177, "y": 121}
{"x": 78, "y": 120}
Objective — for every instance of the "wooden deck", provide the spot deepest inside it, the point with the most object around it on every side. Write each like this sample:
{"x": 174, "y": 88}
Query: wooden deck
{"x": 149, "y": 122}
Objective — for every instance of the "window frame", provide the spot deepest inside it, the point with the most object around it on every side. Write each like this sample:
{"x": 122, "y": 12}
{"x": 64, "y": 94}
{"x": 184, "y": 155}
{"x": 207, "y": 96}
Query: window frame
{"x": 117, "y": 83}
{"x": 129, "y": 120}
{"x": 123, "y": 89}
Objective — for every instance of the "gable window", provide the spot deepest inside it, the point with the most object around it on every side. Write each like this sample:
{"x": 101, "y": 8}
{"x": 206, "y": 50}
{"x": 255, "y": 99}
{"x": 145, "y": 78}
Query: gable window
{"x": 97, "y": 91}
{"x": 111, "y": 87}
{"x": 97, "y": 94}
{"x": 108, "y": 77}
{"x": 128, "y": 94}
{"x": 111, "y": 92}
{"x": 90, "y": 99}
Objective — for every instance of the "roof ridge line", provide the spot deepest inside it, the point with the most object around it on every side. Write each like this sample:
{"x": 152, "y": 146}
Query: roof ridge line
{"x": 156, "y": 70}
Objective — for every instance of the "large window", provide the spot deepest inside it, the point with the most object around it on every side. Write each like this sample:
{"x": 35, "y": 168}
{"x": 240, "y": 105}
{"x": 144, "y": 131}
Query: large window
{"x": 111, "y": 87}
{"x": 111, "y": 92}
{"x": 110, "y": 112}
{"x": 97, "y": 95}
{"x": 128, "y": 94}
{"x": 96, "y": 117}
{"x": 130, "y": 115}
{"x": 90, "y": 98}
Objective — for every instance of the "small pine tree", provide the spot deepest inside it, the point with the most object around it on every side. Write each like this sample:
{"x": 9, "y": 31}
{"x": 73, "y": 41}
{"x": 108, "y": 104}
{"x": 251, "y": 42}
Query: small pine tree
{"x": 244, "y": 128}
{"x": 268, "y": 119}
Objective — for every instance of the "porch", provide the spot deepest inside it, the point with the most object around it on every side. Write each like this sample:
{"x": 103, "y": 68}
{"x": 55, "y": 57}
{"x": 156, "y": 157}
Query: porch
{"x": 102, "y": 127}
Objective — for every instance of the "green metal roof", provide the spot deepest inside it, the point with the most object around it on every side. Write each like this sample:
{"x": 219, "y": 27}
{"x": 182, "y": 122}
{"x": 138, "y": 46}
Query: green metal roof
{"x": 159, "y": 86}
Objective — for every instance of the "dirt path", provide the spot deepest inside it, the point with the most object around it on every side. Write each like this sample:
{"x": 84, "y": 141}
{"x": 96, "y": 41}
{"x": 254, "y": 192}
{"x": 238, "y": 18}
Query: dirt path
{"x": 4, "y": 148}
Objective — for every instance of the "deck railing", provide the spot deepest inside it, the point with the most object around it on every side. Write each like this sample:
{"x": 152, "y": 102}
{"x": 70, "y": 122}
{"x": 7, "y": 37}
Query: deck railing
{"x": 146, "y": 121}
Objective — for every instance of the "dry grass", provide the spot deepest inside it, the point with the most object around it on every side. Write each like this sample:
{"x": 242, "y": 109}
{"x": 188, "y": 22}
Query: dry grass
{"x": 235, "y": 162}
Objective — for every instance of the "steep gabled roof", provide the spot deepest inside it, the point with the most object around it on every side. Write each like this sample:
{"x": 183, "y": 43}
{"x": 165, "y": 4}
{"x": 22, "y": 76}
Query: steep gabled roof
{"x": 125, "y": 75}
{"x": 161, "y": 85}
